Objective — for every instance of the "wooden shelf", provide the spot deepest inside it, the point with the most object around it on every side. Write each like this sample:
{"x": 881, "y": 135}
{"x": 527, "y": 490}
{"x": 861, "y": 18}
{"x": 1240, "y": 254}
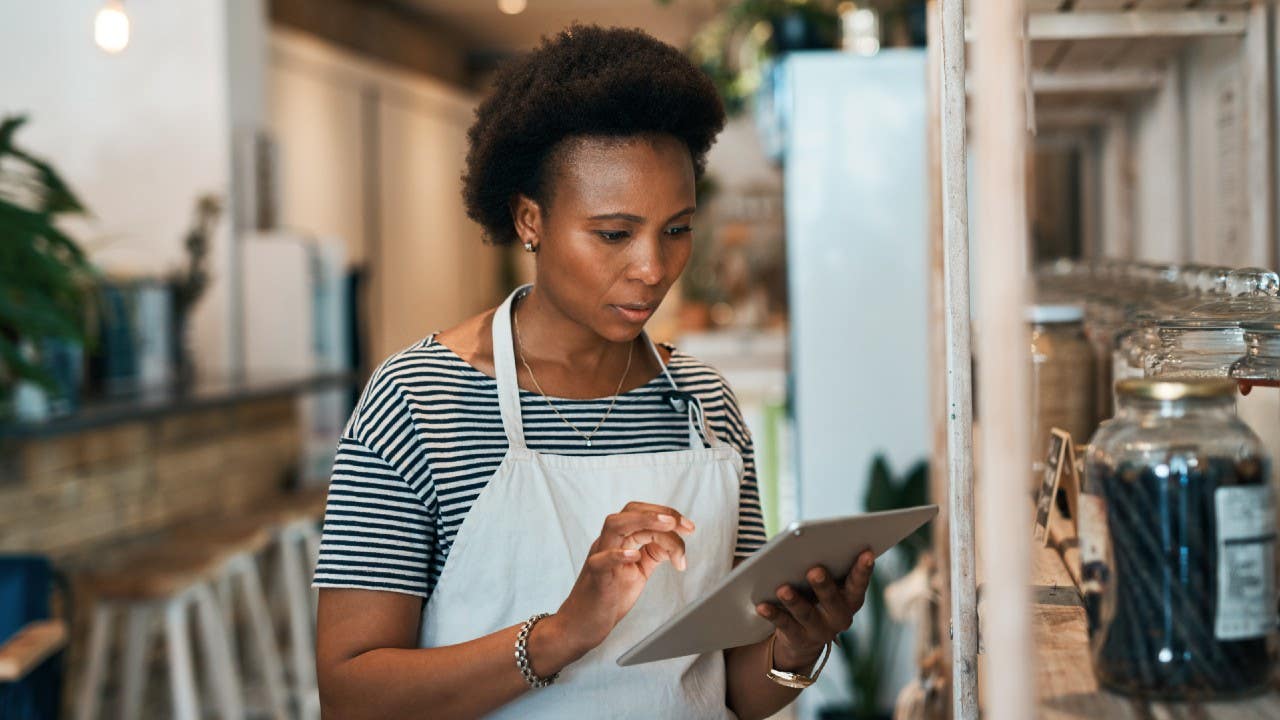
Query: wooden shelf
{"x": 1064, "y": 673}
{"x": 1103, "y": 56}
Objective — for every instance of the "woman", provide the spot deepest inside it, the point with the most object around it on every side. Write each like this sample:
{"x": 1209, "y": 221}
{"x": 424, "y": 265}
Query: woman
{"x": 545, "y": 457}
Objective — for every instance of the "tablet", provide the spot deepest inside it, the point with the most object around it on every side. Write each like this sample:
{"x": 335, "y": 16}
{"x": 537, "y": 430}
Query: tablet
{"x": 726, "y": 617}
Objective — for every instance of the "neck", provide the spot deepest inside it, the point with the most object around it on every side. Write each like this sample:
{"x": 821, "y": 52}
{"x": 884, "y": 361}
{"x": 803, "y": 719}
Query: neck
{"x": 548, "y": 337}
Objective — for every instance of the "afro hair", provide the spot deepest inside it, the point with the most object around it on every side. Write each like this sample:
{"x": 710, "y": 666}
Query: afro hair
{"x": 587, "y": 81}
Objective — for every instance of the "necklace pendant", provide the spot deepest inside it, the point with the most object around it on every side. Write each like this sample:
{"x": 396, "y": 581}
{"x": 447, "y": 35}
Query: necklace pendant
{"x": 588, "y": 442}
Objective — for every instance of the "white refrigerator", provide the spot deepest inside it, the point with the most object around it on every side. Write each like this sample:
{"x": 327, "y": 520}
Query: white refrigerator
{"x": 296, "y": 310}
{"x": 851, "y": 133}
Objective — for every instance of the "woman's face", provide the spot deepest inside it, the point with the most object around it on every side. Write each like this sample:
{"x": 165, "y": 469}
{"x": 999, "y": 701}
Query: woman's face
{"x": 617, "y": 230}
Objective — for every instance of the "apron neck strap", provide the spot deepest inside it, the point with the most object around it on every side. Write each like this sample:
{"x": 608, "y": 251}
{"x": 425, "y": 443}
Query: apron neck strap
{"x": 698, "y": 429}
{"x": 504, "y": 362}
{"x": 504, "y": 365}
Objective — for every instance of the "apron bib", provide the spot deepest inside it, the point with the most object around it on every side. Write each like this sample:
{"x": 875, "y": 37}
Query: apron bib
{"x": 526, "y": 537}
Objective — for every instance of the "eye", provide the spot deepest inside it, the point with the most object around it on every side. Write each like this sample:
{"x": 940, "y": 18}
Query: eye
{"x": 613, "y": 235}
{"x": 680, "y": 230}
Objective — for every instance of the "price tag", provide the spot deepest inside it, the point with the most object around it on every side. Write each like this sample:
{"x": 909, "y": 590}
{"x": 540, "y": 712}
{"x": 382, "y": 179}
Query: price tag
{"x": 1059, "y": 471}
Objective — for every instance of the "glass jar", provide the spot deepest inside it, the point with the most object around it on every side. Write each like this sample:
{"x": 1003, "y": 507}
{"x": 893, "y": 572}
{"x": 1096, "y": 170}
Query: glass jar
{"x": 1177, "y": 538}
{"x": 1260, "y": 364}
{"x": 1062, "y": 376}
{"x": 1133, "y": 345}
{"x": 1196, "y": 348}
{"x": 1104, "y": 319}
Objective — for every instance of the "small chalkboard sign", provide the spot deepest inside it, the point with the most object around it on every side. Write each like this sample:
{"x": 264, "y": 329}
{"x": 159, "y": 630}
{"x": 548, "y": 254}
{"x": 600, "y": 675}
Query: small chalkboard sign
{"x": 1059, "y": 462}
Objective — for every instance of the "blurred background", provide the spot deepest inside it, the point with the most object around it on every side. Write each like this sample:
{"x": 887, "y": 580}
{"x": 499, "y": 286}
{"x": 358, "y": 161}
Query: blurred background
{"x": 218, "y": 217}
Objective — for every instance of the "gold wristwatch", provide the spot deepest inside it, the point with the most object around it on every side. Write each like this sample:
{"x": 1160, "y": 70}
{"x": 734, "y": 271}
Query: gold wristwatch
{"x": 795, "y": 680}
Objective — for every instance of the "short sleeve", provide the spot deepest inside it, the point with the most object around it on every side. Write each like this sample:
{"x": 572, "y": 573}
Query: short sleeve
{"x": 378, "y": 533}
{"x": 751, "y": 532}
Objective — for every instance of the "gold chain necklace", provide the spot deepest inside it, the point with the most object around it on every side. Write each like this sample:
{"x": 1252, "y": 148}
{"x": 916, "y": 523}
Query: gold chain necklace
{"x": 585, "y": 436}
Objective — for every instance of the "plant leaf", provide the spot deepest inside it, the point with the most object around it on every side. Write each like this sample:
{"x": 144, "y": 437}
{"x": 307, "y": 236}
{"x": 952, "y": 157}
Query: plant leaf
{"x": 880, "y": 492}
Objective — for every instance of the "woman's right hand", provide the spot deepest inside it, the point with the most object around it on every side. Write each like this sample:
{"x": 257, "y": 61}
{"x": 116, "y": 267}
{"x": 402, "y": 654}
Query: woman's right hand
{"x": 631, "y": 546}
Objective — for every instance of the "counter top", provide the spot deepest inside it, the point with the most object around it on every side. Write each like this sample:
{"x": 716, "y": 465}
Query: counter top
{"x": 160, "y": 402}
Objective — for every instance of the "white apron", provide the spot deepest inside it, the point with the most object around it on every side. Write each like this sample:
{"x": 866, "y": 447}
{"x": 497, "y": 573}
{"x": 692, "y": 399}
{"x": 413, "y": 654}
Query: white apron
{"x": 524, "y": 541}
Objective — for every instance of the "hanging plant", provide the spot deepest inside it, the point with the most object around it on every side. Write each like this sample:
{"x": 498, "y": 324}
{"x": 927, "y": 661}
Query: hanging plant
{"x": 734, "y": 47}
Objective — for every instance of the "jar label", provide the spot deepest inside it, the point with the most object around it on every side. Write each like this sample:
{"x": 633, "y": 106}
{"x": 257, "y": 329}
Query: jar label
{"x": 1246, "y": 566}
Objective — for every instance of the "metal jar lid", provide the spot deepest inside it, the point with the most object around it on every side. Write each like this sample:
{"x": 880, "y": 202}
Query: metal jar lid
{"x": 1151, "y": 389}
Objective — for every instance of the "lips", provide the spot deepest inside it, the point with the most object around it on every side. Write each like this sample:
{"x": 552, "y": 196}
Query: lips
{"x": 635, "y": 312}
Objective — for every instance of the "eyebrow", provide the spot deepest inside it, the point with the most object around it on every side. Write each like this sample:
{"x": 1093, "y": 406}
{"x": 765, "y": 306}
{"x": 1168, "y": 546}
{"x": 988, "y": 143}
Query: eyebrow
{"x": 636, "y": 218}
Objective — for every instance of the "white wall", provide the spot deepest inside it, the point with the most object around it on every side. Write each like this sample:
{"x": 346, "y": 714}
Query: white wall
{"x": 140, "y": 135}
{"x": 316, "y": 120}
{"x": 737, "y": 160}
{"x": 374, "y": 155}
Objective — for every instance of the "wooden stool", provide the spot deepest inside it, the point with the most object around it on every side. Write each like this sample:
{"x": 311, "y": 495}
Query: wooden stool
{"x": 294, "y": 520}
{"x": 239, "y": 542}
{"x": 170, "y": 583}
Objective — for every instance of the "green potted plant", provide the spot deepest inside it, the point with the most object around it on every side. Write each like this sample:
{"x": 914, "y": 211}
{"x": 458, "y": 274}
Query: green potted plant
{"x": 868, "y": 653}
{"x": 44, "y": 275}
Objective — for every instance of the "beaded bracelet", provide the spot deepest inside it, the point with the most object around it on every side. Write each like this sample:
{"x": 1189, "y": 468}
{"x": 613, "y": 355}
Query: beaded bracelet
{"x": 522, "y": 654}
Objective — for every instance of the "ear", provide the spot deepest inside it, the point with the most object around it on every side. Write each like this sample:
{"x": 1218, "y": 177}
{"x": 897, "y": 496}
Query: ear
{"x": 527, "y": 216}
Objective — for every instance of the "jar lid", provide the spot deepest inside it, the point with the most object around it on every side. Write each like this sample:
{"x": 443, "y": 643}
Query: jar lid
{"x": 1046, "y": 313}
{"x": 1251, "y": 294}
{"x": 1151, "y": 389}
{"x": 1185, "y": 323}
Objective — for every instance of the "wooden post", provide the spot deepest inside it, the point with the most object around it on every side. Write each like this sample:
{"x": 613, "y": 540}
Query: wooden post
{"x": 1117, "y": 189}
{"x": 959, "y": 385}
{"x": 1090, "y": 215}
{"x": 1258, "y": 159}
{"x": 1000, "y": 142}
{"x": 938, "y": 463}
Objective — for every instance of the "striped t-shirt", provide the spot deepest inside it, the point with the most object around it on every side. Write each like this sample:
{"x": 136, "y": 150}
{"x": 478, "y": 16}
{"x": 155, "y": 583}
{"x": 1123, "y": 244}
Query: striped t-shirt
{"x": 427, "y": 435}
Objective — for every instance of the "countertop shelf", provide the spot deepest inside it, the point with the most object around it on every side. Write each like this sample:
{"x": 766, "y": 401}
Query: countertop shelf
{"x": 160, "y": 402}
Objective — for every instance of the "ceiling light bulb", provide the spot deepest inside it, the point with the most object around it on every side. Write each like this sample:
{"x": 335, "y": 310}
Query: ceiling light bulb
{"x": 111, "y": 27}
{"x": 513, "y": 7}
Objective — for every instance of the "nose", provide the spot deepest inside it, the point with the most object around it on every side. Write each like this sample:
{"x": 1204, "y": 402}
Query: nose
{"x": 646, "y": 263}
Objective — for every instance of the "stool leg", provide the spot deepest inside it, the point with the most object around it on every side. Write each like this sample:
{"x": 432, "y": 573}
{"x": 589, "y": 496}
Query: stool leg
{"x": 263, "y": 635}
{"x": 293, "y": 569}
{"x": 272, "y": 584}
{"x": 136, "y": 646}
{"x": 226, "y": 603}
{"x": 182, "y": 677}
{"x": 218, "y": 654}
{"x": 95, "y": 670}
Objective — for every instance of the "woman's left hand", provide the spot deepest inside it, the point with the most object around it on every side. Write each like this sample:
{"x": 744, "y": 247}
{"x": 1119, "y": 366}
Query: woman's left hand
{"x": 804, "y": 627}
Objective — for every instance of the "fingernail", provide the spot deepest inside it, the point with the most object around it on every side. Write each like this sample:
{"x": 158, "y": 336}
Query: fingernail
{"x": 868, "y": 561}
{"x": 664, "y": 519}
{"x": 765, "y": 609}
{"x": 631, "y": 554}
{"x": 818, "y": 576}
{"x": 686, "y": 523}
{"x": 681, "y": 563}
{"x": 787, "y": 593}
